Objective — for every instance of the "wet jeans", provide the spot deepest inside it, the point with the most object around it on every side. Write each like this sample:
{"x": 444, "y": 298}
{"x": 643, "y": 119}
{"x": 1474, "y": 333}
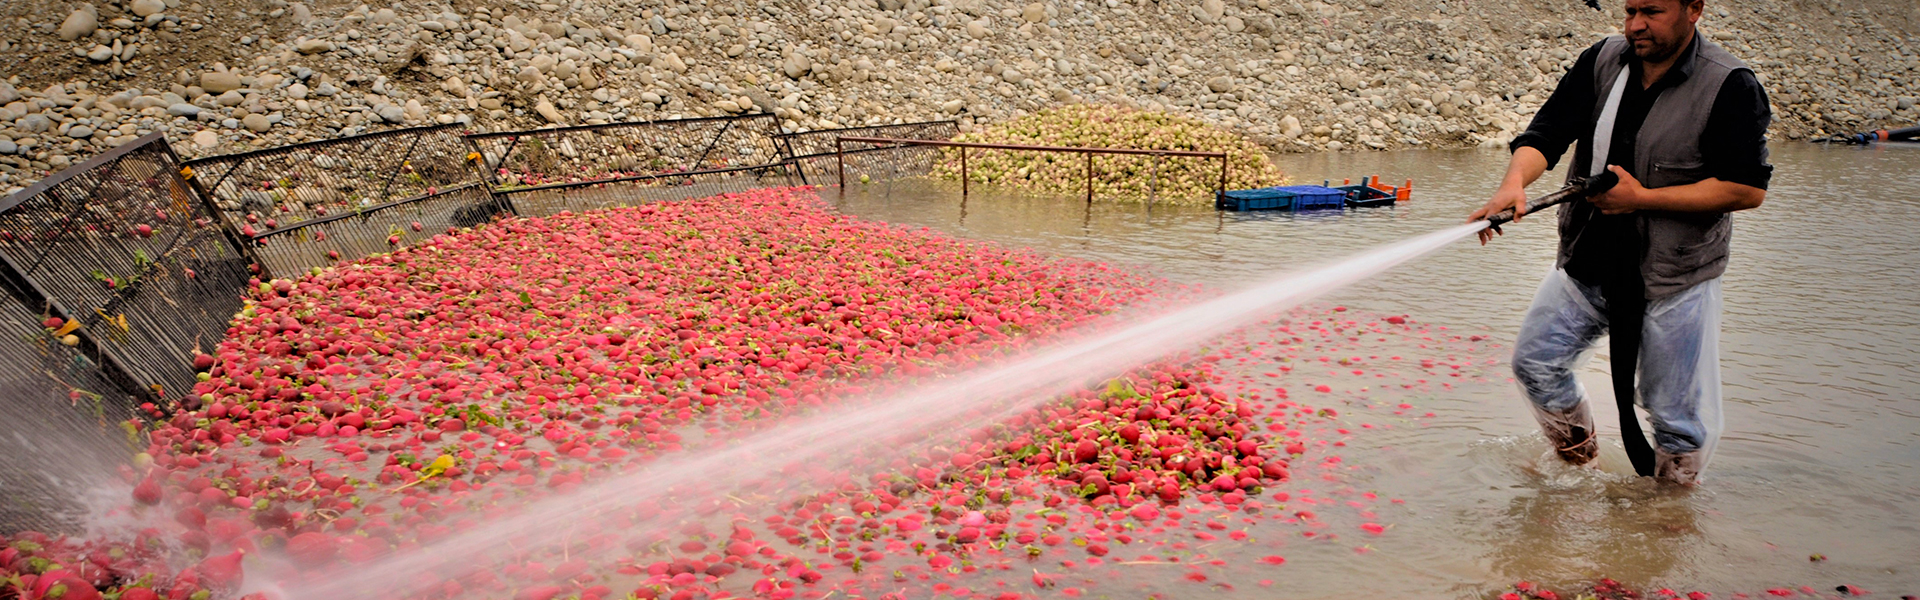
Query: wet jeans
{"x": 1679, "y": 373}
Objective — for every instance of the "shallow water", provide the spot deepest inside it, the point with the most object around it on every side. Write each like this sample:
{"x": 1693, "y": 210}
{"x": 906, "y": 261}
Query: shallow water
{"x": 1820, "y": 359}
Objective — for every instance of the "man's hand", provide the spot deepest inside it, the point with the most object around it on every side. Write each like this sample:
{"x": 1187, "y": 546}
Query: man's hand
{"x": 1625, "y": 197}
{"x": 1508, "y": 196}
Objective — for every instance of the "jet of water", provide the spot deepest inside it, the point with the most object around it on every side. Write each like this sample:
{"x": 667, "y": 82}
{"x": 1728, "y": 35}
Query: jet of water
{"x": 822, "y": 439}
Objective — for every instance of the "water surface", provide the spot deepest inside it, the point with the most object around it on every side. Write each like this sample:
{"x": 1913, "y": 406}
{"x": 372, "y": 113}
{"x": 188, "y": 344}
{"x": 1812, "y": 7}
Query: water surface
{"x": 1820, "y": 359}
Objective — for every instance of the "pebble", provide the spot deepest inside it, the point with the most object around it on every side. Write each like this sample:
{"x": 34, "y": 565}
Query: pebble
{"x": 257, "y": 122}
{"x": 184, "y": 110}
{"x": 80, "y": 132}
{"x": 8, "y": 147}
{"x": 297, "y": 91}
{"x": 206, "y": 138}
{"x": 100, "y": 54}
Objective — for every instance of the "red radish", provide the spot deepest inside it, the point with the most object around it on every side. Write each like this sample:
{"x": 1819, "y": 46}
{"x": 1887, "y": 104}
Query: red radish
{"x": 221, "y": 572}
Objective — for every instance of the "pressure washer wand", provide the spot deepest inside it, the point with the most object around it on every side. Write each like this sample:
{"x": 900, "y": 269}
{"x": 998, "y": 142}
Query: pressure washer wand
{"x": 1578, "y": 189}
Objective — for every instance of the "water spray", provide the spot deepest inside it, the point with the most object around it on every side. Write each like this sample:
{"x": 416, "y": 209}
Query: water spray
{"x": 827, "y": 438}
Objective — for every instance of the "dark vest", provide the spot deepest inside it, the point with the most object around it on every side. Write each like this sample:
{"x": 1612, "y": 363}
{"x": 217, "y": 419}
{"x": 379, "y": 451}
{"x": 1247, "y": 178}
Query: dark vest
{"x": 1683, "y": 249}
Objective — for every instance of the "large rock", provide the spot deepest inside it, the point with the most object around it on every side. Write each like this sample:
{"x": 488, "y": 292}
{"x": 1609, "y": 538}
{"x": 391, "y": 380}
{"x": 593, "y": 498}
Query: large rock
{"x": 219, "y": 82}
{"x": 309, "y": 46}
{"x": 80, "y": 23}
{"x": 548, "y": 112}
{"x": 391, "y": 114}
{"x": 978, "y": 29}
{"x": 143, "y": 8}
{"x": 797, "y": 65}
{"x": 1037, "y": 12}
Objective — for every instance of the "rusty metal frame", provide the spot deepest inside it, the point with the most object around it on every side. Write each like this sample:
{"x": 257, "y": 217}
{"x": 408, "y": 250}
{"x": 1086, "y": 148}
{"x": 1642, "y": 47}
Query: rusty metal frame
{"x": 881, "y": 142}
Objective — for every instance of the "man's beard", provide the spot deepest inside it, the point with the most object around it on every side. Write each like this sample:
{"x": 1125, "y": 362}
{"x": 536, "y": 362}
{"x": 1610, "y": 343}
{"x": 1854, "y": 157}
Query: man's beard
{"x": 1656, "y": 51}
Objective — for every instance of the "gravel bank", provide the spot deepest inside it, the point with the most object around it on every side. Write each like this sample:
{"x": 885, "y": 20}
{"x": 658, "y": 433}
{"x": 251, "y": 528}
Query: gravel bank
{"x": 228, "y": 75}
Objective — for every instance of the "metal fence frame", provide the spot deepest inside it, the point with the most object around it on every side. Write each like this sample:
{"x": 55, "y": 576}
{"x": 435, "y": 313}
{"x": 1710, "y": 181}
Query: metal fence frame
{"x": 816, "y": 157}
{"x": 883, "y": 143}
{"x": 345, "y": 198}
{"x": 215, "y": 230}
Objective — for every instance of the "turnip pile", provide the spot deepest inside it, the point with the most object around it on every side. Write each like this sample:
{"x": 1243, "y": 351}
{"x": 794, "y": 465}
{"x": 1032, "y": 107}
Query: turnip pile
{"x": 384, "y": 404}
{"x": 1115, "y": 177}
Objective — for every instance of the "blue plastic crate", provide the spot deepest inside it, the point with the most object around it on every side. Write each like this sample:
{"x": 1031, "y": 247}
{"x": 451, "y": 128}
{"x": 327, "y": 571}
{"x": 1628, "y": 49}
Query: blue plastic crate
{"x": 1292, "y": 197}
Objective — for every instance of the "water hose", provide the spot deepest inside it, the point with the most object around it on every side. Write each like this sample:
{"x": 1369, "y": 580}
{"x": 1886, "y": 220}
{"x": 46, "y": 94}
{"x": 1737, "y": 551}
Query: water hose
{"x": 1626, "y": 311}
{"x": 1882, "y": 135}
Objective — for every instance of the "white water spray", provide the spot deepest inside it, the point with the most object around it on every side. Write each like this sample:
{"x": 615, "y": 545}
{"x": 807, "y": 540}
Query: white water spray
{"x": 830, "y": 436}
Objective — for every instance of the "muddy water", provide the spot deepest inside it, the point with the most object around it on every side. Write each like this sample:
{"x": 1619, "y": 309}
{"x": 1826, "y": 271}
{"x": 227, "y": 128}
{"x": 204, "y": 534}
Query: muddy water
{"x": 1820, "y": 358}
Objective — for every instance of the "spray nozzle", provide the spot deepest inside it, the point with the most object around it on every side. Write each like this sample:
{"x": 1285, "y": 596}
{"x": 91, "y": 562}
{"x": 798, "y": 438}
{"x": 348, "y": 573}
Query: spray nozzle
{"x": 1578, "y": 189}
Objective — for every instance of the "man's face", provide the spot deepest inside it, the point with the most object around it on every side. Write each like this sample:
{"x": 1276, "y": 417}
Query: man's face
{"x": 1658, "y": 28}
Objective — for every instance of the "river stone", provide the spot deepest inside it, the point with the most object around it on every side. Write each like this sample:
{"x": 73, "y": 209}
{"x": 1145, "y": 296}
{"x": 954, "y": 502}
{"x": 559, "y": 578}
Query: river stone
{"x": 80, "y": 132}
{"x": 297, "y": 91}
{"x": 391, "y": 113}
{"x": 184, "y": 110}
{"x": 307, "y": 46}
{"x": 80, "y": 23}
{"x": 259, "y": 123}
{"x": 1035, "y": 13}
{"x": 8, "y": 147}
{"x": 219, "y": 82}
{"x": 796, "y": 66}
{"x": 548, "y": 112}
{"x": 145, "y": 8}
{"x": 1220, "y": 85}
{"x": 100, "y": 54}
{"x": 978, "y": 29}
{"x": 1290, "y": 127}
{"x": 34, "y": 123}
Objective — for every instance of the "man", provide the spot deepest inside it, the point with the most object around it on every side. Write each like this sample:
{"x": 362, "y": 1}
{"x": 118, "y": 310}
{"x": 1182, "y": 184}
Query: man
{"x": 1683, "y": 124}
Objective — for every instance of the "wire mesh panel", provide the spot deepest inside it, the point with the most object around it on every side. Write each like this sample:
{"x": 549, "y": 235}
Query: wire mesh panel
{"x": 123, "y": 246}
{"x": 552, "y": 199}
{"x": 813, "y": 151}
{"x": 293, "y": 250}
{"x": 60, "y": 418}
{"x": 277, "y": 195}
{"x": 625, "y": 150}
{"x": 863, "y": 163}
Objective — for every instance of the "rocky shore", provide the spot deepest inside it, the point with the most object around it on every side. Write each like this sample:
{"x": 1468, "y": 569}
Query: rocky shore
{"x": 1296, "y": 75}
